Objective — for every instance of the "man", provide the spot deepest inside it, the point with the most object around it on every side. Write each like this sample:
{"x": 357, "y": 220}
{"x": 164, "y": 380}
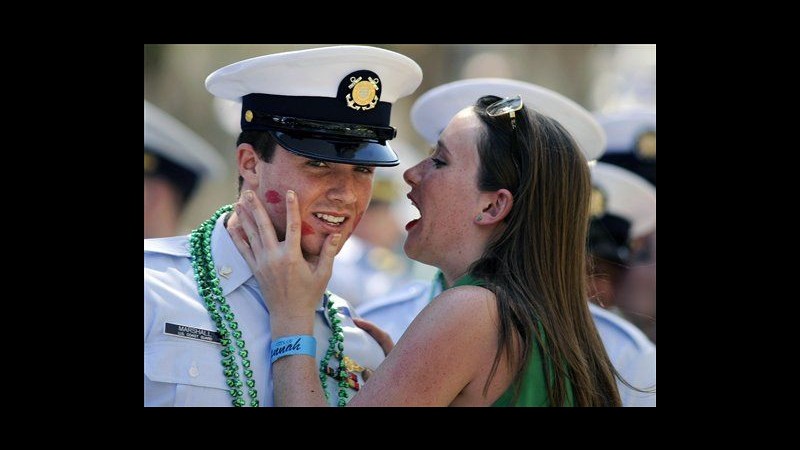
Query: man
{"x": 176, "y": 162}
{"x": 315, "y": 122}
{"x": 430, "y": 115}
{"x": 632, "y": 146}
{"x": 622, "y": 208}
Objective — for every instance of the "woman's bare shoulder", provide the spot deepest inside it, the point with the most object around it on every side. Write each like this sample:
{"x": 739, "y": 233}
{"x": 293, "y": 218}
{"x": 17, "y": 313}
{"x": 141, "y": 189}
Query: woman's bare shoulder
{"x": 465, "y": 301}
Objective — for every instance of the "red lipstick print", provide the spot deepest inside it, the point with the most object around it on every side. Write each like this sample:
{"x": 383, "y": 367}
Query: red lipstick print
{"x": 306, "y": 228}
{"x": 273, "y": 197}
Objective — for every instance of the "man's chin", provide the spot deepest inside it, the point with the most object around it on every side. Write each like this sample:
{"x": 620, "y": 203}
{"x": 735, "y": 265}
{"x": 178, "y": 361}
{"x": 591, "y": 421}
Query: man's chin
{"x": 312, "y": 246}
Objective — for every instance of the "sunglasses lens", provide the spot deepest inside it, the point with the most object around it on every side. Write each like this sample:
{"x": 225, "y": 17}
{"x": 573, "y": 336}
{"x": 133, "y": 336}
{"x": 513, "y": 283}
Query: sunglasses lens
{"x": 504, "y": 106}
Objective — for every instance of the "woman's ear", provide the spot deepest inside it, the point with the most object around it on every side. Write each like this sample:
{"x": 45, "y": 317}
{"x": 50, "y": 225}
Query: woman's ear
{"x": 497, "y": 208}
{"x": 247, "y": 159}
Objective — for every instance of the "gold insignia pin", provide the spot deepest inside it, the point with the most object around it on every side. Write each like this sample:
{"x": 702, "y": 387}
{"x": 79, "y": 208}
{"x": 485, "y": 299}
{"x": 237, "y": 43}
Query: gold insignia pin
{"x": 351, "y": 365}
{"x": 150, "y": 163}
{"x": 646, "y": 146}
{"x": 363, "y": 93}
{"x": 248, "y": 116}
{"x": 597, "y": 203}
{"x": 225, "y": 271}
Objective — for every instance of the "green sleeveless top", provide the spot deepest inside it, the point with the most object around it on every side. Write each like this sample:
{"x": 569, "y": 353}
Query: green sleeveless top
{"x": 532, "y": 391}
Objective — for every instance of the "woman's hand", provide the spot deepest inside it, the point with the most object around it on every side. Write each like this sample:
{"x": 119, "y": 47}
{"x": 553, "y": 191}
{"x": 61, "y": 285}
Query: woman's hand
{"x": 290, "y": 284}
{"x": 381, "y": 337}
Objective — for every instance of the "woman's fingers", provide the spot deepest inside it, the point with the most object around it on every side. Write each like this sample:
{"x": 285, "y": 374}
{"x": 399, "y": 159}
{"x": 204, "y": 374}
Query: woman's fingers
{"x": 324, "y": 264}
{"x": 293, "y": 221}
{"x": 240, "y": 240}
{"x": 244, "y": 213}
{"x": 382, "y": 337}
{"x": 263, "y": 223}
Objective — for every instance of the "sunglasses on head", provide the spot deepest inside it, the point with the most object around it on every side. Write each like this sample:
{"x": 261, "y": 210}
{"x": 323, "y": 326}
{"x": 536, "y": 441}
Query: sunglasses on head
{"x": 508, "y": 105}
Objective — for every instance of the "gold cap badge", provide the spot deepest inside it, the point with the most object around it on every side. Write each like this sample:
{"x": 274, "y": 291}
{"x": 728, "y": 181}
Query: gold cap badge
{"x": 597, "y": 203}
{"x": 363, "y": 93}
{"x": 646, "y": 146}
{"x": 150, "y": 163}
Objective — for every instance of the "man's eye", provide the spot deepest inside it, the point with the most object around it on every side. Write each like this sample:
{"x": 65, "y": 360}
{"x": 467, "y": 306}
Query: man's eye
{"x": 365, "y": 169}
{"x": 318, "y": 164}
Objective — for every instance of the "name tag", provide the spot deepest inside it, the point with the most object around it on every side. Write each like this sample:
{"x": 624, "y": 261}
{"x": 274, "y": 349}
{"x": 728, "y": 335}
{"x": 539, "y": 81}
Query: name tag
{"x": 188, "y": 332}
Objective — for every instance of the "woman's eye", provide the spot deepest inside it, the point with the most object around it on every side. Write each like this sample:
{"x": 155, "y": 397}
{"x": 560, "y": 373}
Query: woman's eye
{"x": 438, "y": 162}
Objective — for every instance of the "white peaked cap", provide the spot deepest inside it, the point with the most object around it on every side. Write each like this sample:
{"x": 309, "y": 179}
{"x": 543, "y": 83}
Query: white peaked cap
{"x": 627, "y": 195}
{"x": 315, "y": 72}
{"x": 623, "y": 128}
{"x": 329, "y": 103}
{"x": 433, "y": 110}
{"x": 168, "y": 138}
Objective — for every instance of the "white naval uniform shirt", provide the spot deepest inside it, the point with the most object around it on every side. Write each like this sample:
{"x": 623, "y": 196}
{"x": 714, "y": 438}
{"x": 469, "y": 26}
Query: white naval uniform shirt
{"x": 631, "y": 353}
{"x": 394, "y": 312}
{"x": 181, "y": 371}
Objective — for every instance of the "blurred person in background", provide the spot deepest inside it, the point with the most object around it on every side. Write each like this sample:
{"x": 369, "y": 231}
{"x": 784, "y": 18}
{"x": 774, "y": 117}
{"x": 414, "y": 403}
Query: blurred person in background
{"x": 632, "y": 146}
{"x": 314, "y": 125}
{"x": 176, "y": 162}
{"x": 631, "y": 143}
{"x": 622, "y": 206}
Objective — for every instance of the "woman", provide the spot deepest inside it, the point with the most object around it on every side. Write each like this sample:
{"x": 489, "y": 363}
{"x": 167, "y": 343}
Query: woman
{"x": 503, "y": 204}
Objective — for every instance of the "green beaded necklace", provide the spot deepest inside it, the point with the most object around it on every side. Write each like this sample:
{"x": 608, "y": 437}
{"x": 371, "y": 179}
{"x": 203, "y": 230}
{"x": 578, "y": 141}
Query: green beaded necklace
{"x": 210, "y": 291}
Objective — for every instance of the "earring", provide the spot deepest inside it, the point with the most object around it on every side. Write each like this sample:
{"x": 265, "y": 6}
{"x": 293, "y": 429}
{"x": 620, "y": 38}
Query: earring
{"x": 480, "y": 217}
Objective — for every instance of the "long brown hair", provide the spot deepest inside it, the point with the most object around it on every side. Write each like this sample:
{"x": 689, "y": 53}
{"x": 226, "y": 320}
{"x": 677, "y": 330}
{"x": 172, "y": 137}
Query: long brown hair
{"x": 536, "y": 264}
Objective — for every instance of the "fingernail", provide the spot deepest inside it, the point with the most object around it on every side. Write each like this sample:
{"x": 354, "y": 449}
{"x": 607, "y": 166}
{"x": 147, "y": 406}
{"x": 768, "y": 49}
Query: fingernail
{"x": 290, "y": 195}
{"x": 335, "y": 240}
{"x": 248, "y": 195}
{"x": 238, "y": 207}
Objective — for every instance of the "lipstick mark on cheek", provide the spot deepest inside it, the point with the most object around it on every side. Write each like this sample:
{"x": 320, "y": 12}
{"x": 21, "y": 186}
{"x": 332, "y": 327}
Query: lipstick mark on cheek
{"x": 306, "y": 228}
{"x": 273, "y": 197}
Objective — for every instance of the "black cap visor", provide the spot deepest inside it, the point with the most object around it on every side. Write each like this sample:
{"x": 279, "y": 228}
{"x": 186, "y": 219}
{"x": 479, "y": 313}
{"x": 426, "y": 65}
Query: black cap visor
{"x": 361, "y": 153}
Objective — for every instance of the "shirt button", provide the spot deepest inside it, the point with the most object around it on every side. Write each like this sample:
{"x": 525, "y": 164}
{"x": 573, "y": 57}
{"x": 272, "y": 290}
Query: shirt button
{"x": 194, "y": 371}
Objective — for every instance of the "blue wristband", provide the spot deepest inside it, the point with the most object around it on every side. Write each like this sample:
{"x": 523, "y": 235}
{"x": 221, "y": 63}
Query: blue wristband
{"x": 293, "y": 345}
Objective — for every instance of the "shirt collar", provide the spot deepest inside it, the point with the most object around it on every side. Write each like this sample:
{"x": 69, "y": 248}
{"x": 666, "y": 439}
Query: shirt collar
{"x": 227, "y": 259}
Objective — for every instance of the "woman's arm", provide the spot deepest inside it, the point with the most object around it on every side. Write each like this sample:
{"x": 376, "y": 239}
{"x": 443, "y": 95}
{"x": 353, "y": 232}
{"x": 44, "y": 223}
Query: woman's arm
{"x": 448, "y": 346}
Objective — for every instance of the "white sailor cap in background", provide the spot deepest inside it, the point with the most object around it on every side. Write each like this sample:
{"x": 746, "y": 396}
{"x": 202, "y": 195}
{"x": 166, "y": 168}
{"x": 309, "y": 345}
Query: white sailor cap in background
{"x": 330, "y": 103}
{"x": 631, "y": 141}
{"x": 433, "y": 110}
{"x": 174, "y": 151}
{"x": 228, "y": 114}
{"x": 626, "y": 195}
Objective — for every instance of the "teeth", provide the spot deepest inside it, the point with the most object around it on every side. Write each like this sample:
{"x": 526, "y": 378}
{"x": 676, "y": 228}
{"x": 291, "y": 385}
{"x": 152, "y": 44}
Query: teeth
{"x": 415, "y": 205}
{"x": 330, "y": 219}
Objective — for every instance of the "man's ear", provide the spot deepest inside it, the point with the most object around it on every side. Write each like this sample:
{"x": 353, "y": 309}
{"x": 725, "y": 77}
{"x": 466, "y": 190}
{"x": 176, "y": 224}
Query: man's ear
{"x": 497, "y": 205}
{"x": 247, "y": 159}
